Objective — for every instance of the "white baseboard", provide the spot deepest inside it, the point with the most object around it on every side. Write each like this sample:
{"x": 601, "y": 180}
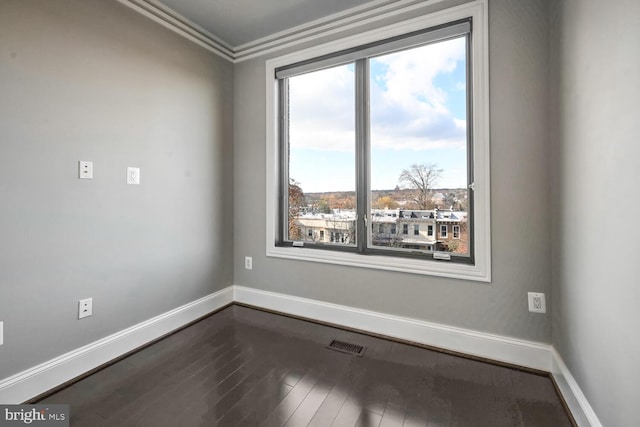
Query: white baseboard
{"x": 573, "y": 395}
{"x": 37, "y": 380}
{"x": 510, "y": 350}
{"x": 504, "y": 349}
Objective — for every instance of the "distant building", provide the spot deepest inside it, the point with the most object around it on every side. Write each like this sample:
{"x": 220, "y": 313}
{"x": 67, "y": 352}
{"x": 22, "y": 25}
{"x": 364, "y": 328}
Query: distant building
{"x": 338, "y": 227}
{"x": 427, "y": 230}
{"x": 452, "y": 231}
{"x": 411, "y": 229}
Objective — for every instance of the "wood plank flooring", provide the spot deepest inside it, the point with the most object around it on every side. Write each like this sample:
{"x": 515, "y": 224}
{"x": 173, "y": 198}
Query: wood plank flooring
{"x": 245, "y": 367}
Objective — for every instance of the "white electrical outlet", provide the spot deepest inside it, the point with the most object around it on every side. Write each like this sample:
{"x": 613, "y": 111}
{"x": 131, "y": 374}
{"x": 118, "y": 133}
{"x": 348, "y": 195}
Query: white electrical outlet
{"x": 537, "y": 303}
{"x": 85, "y": 169}
{"x": 133, "y": 176}
{"x": 85, "y": 308}
{"x": 1, "y": 333}
{"x": 248, "y": 263}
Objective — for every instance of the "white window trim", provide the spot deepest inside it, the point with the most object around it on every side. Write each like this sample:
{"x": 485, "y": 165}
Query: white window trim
{"x": 481, "y": 270}
{"x": 453, "y": 231}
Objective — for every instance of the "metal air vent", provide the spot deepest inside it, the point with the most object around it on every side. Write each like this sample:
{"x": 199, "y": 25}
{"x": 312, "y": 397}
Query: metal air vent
{"x": 345, "y": 347}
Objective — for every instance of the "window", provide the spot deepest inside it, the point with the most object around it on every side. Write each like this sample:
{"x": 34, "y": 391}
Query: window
{"x": 390, "y": 116}
{"x": 443, "y": 231}
{"x": 393, "y": 124}
{"x": 322, "y": 235}
{"x": 456, "y": 231}
{"x": 310, "y": 233}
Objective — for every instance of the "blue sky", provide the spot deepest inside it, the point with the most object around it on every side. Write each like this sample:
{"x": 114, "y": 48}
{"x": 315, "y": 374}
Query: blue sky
{"x": 418, "y": 115}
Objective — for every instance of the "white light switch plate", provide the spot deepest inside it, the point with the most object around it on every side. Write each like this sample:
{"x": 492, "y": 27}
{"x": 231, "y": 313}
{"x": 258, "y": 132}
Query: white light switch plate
{"x": 1, "y": 332}
{"x": 133, "y": 176}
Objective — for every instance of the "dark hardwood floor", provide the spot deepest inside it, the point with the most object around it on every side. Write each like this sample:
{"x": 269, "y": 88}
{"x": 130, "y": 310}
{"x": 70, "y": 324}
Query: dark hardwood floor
{"x": 245, "y": 367}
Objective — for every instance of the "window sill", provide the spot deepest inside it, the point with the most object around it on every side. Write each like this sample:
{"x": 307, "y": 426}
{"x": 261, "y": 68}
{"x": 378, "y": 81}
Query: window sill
{"x": 380, "y": 262}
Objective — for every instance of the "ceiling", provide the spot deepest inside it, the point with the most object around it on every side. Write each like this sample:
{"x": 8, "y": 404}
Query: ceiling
{"x": 237, "y": 22}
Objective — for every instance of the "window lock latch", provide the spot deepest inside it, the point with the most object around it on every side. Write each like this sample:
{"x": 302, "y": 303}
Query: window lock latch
{"x": 472, "y": 186}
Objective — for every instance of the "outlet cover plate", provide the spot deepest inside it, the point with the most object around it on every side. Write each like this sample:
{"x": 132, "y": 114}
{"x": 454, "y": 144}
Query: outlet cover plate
{"x": 85, "y": 308}
{"x": 248, "y": 263}
{"x": 85, "y": 169}
{"x": 133, "y": 176}
{"x": 537, "y": 303}
{"x": 1, "y": 333}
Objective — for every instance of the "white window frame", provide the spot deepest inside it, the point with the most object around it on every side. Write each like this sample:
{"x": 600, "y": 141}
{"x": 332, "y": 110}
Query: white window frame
{"x": 456, "y": 231}
{"x": 444, "y": 227}
{"x": 481, "y": 269}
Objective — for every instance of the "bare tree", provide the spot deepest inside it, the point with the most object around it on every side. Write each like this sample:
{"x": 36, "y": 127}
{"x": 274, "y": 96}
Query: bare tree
{"x": 421, "y": 178}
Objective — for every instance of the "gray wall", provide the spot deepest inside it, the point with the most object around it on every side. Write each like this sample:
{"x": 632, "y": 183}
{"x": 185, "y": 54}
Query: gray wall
{"x": 596, "y": 173}
{"x": 519, "y": 51}
{"x": 94, "y": 80}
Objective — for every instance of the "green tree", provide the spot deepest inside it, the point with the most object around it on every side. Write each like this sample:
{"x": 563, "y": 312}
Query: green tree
{"x": 296, "y": 202}
{"x": 323, "y": 206}
{"x": 385, "y": 202}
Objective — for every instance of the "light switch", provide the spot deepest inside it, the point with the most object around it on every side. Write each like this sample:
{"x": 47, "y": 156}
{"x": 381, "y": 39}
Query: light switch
{"x": 1, "y": 332}
{"x": 133, "y": 176}
{"x": 85, "y": 169}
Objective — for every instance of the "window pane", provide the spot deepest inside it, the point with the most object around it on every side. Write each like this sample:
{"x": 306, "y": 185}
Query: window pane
{"x": 322, "y": 156}
{"x": 418, "y": 120}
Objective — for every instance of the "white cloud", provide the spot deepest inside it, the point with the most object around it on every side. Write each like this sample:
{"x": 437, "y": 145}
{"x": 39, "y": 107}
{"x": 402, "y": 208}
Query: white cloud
{"x": 409, "y": 111}
{"x": 322, "y": 109}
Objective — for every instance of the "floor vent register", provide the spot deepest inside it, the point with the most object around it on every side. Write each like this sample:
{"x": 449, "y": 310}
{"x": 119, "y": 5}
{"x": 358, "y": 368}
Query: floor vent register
{"x": 346, "y": 347}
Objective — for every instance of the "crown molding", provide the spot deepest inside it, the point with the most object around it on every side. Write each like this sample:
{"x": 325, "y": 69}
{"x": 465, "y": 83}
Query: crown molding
{"x": 175, "y": 22}
{"x": 348, "y": 19}
{"x": 341, "y": 21}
